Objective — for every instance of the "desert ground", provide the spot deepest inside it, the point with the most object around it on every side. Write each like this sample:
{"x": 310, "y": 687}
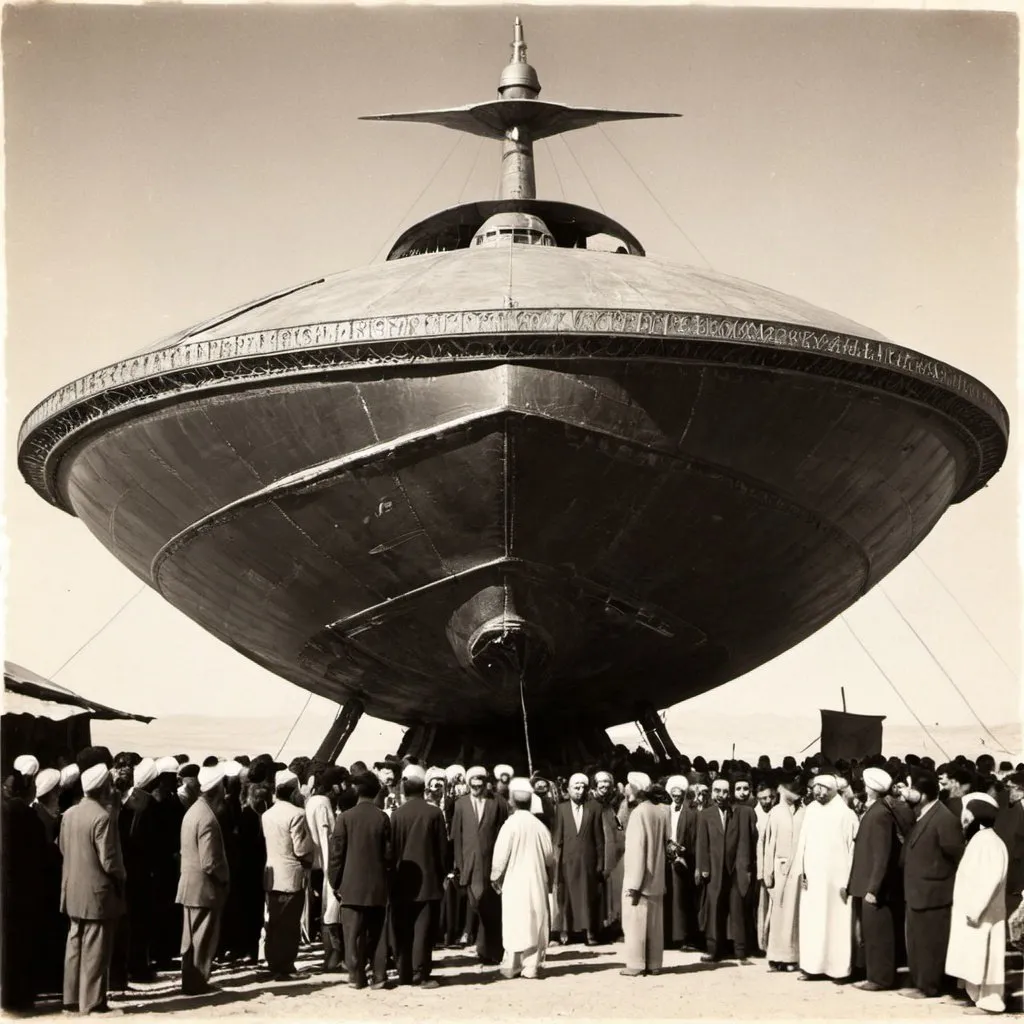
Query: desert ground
{"x": 578, "y": 982}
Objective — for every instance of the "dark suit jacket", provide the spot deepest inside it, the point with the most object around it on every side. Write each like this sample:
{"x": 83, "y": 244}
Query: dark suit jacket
{"x": 930, "y": 857}
{"x": 1009, "y": 826}
{"x": 474, "y": 840}
{"x": 420, "y": 845}
{"x": 92, "y": 883}
{"x": 361, "y": 856}
{"x": 727, "y": 853}
{"x": 686, "y": 836}
{"x": 204, "y": 877}
{"x": 583, "y": 850}
{"x": 876, "y": 855}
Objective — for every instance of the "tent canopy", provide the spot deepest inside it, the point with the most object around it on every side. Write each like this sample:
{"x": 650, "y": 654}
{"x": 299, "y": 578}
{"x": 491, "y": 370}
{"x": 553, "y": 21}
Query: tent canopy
{"x": 29, "y": 694}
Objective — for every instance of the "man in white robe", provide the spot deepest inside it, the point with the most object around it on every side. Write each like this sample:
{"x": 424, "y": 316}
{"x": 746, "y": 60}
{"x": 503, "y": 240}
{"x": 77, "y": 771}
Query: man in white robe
{"x": 522, "y": 872}
{"x": 977, "y": 934}
{"x": 823, "y": 861}
{"x": 781, "y": 839}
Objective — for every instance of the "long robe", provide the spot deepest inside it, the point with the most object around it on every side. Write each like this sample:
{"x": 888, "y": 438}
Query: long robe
{"x": 579, "y": 865}
{"x": 763, "y": 901}
{"x": 320, "y": 819}
{"x": 680, "y": 889}
{"x": 977, "y": 953}
{"x": 523, "y": 864}
{"x": 824, "y": 857}
{"x": 782, "y": 884}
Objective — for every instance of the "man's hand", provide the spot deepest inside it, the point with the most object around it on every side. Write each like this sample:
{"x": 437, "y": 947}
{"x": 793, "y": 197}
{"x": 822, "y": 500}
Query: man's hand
{"x": 843, "y": 894}
{"x": 634, "y": 897}
{"x": 496, "y": 886}
{"x": 972, "y": 921}
{"x": 871, "y": 898}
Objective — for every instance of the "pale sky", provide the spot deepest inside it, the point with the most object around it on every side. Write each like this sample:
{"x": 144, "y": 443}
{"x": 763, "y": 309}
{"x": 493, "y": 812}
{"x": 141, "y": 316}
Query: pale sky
{"x": 167, "y": 164}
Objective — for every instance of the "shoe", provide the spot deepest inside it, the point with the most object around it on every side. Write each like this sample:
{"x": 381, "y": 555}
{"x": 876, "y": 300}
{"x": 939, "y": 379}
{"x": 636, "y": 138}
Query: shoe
{"x": 744, "y": 961}
{"x": 507, "y": 973}
{"x": 869, "y": 986}
{"x": 563, "y": 939}
{"x": 285, "y": 976}
{"x": 631, "y": 972}
{"x": 654, "y": 972}
{"x": 430, "y": 983}
{"x": 380, "y": 986}
{"x": 804, "y": 976}
{"x": 591, "y": 941}
{"x": 70, "y": 1008}
{"x": 534, "y": 976}
{"x": 709, "y": 958}
{"x": 913, "y": 993}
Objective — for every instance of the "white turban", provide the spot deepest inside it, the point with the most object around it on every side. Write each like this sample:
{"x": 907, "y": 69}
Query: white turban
{"x": 476, "y": 772}
{"x": 841, "y": 784}
{"x": 826, "y": 780}
{"x": 94, "y": 777}
{"x": 578, "y": 777}
{"x": 877, "y": 780}
{"x": 436, "y": 773}
{"x": 983, "y": 797}
{"x": 520, "y": 787}
{"x": 503, "y": 769}
{"x": 603, "y": 777}
{"x": 26, "y": 764}
{"x": 454, "y": 772}
{"x": 231, "y": 769}
{"x": 167, "y": 766}
{"x": 144, "y": 773}
{"x": 677, "y": 782}
{"x": 46, "y": 781}
{"x": 285, "y": 778}
{"x": 639, "y": 781}
{"x": 69, "y": 775}
{"x": 414, "y": 772}
{"x": 209, "y": 777}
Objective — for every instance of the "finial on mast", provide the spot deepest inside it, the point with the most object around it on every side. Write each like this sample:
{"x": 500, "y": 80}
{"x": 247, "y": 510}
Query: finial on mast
{"x": 518, "y": 81}
{"x": 518, "y": 43}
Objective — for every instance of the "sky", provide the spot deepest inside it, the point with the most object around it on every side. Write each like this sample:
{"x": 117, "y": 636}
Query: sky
{"x": 164, "y": 164}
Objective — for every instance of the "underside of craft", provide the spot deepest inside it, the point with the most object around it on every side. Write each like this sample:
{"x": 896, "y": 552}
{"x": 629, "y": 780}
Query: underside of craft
{"x": 505, "y": 477}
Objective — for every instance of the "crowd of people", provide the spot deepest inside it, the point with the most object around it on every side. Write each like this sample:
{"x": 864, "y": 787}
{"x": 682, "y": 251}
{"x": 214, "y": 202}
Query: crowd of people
{"x": 116, "y": 868}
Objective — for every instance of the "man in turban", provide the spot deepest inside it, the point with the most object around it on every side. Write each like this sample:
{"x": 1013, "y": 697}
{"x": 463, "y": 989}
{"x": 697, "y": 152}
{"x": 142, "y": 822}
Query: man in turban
{"x": 681, "y": 928}
{"x": 976, "y": 954}
{"x": 167, "y": 914}
{"x": 611, "y": 800}
{"x": 579, "y": 860}
{"x": 931, "y": 855}
{"x": 781, "y": 882}
{"x": 643, "y": 880}
{"x": 204, "y": 882}
{"x": 824, "y": 858}
{"x": 92, "y": 890}
{"x": 876, "y": 883}
{"x": 522, "y": 872}
{"x": 47, "y": 801}
{"x": 27, "y": 765}
{"x": 502, "y": 776}
{"x": 476, "y": 820}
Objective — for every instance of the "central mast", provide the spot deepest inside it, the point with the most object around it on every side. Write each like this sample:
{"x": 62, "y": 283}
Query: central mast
{"x": 518, "y": 82}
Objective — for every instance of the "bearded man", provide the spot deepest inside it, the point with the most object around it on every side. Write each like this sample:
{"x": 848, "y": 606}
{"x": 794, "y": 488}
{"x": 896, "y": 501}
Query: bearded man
{"x": 611, "y": 800}
{"x": 643, "y": 880}
{"x": 824, "y": 858}
{"x": 781, "y": 882}
{"x": 502, "y": 777}
{"x": 681, "y": 928}
{"x": 579, "y": 860}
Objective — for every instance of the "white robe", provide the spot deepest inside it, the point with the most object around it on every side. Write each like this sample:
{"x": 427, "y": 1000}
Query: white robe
{"x": 977, "y": 953}
{"x": 824, "y": 857}
{"x": 320, "y": 818}
{"x": 523, "y": 862}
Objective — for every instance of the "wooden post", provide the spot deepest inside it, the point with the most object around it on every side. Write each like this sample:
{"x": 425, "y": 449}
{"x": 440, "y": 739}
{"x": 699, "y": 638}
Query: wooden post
{"x": 842, "y": 693}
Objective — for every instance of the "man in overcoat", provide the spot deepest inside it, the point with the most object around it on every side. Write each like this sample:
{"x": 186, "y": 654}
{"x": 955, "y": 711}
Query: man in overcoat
{"x": 726, "y": 865}
{"x": 92, "y": 891}
{"x": 643, "y": 880}
{"x": 476, "y": 820}
{"x": 579, "y": 845}
{"x": 681, "y": 928}
{"x": 931, "y": 854}
{"x": 420, "y": 844}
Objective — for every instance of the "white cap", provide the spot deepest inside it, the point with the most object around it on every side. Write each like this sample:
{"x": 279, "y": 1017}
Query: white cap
{"x": 231, "y": 769}
{"x": 46, "y": 781}
{"x": 94, "y": 777}
{"x": 520, "y": 787}
{"x": 454, "y": 771}
{"x": 210, "y": 777}
{"x": 578, "y": 777}
{"x": 285, "y": 778}
{"x": 639, "y": 781}
{"x": 983, "y": 797}
{"x": 877, "y": 780}
{"x": 26, "y": 764}
{"x": 677, "y": 782}
{"x": 414, "y": 772}
{"x": 476, "y": 772}
{"x": 603, "y": 776}
{"x": 503, "y": 769}
{"x": 145, "y": 772}
{"x": 167, "y": 766}
{"x": 69, "y": 775}
{"x": 436, "y": 773}
{"x": 825, "y": 780}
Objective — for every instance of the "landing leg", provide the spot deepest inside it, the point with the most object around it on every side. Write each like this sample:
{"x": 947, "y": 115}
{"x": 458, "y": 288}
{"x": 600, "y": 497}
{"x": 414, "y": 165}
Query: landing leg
{"x": 340, "y": 731}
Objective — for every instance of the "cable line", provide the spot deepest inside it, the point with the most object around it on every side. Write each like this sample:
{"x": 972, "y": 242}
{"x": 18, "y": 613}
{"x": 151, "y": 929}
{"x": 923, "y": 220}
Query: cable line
{"x": 558, "y": 176}
{"x": 472, "y": 168}
{"x": 53, "y": 675}
{"x": 295, "y": 723}
{"x": 967, "y": 615}
{"x": 650, "y": 192}
{"x": 875, "y": 662}
{"x": 586, "y": 177}
{"x": 999, "y": 743}
{"x": 423, "y": 192}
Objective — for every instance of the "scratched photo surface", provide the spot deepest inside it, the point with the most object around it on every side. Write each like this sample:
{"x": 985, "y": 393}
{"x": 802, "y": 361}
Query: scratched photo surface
{"x": 273, "y": 446}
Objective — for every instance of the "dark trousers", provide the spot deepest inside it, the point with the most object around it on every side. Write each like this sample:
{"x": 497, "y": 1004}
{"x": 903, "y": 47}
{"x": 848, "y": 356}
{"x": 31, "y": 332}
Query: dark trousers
{"x": 364, "y": 937}
{"x": 117, "y": 980}
{"x": 334, "y": 948}
{"x": 733, "y": 917}
{"x": 87, "y": 963}
{"x": 488, "y": 933}
{"x": 927, "y": 939}
{"x": 415, "y": 926}
{"x": 200, "y": 934}
{"x": 284, "y": 925}
{"x": 139, "y": 935}
{"x": 878, "y": 936}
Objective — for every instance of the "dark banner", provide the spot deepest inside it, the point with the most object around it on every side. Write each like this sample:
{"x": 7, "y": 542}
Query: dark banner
{"x": 845, "y": 736}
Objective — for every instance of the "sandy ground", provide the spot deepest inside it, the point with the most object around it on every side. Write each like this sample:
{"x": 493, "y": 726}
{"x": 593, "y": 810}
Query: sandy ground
{"x": 578, "y": 982}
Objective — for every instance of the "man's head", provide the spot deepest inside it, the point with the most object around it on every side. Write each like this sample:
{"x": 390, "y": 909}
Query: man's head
{"x": 48, "y": 787}
{"x": 825, "y": 787}
{"x": 961, "y": 780}
{"x": 922, "y": 787}
{"x": 520, "y": 793}
{"x": 877, "y": 783}
{"x": 503, "y": 774}
{"x": 285, "y": 784}
{"x": 1014, "y": 787}
{"x": 414, "y": 781}
{"x": 676, "y": 787}
{"x": 97, "y": 782}
{"x": 604, "y": 783}
{"x": 366, "y": 786}
{"x": 435, "y": 784}
{"x": 765, "y": 796}
{"x": 791, "y": 787}
{"x": 476, "y": 777}
{"x": 986, "y": 764}
{"x": 638, "y": 786}
{"x": 741, "y": 788}
{"x": 577, "y": 789}
{"x": 386, "y": 775}
{"x": 720, "y": 792}
{"x": 541, "y": 786}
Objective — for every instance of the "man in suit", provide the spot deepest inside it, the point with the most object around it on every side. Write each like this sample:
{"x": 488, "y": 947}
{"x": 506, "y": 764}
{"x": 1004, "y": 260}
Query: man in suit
{"x": 1009, "y": 827}
{"x": 289, "y": 856}
{"x": 357, "y": 871}
{"x": 420, "y": 845}
{"x": 579, "y": 860}
{"x": 203, "y": 884}
{"x": 92, "y": 891}
{"x": 681, "y": 927}
{"x": 876, "y": 883}
{"x": 931, "y": 855}
{"x": 726, "y": 865}
{"x": 476, "y": 820}
{"x": 643, "y": 880}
